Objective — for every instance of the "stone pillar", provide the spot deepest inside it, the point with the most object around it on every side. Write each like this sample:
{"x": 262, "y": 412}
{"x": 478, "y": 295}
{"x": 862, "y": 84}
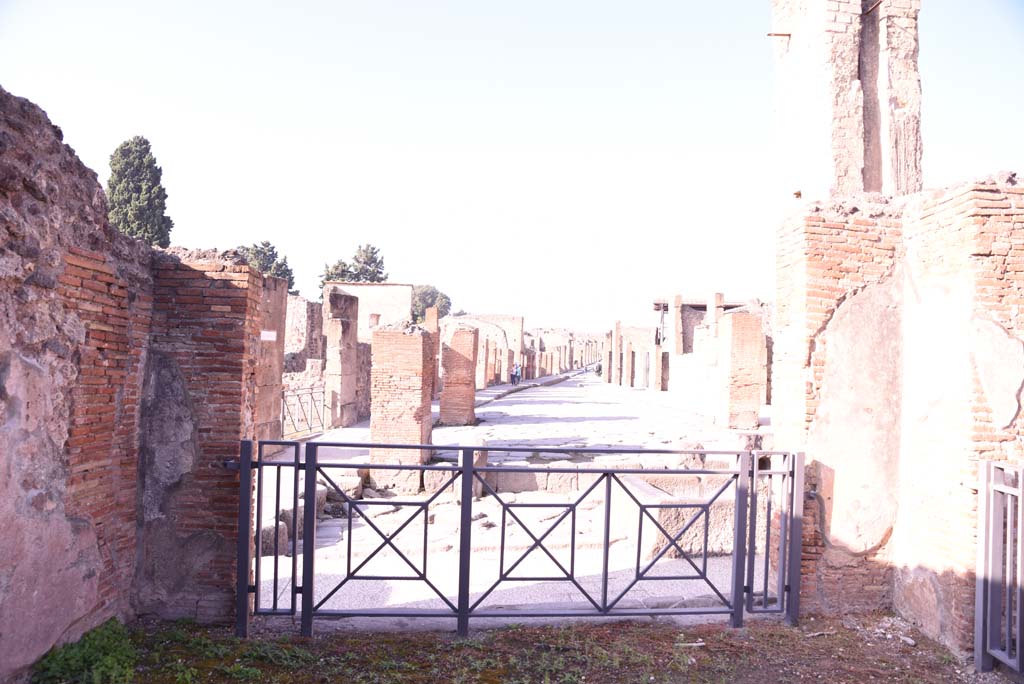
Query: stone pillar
{"x": 615, "y": 370}
{"x": 431, "y": 325}
{"x": 400, "y": 396}
{"x": 746, "y": 369}
{"x": 659, "y": 371}
{"x": 492, "y": 362}
{"x": 716, "y": 304}
{"x": 510, "y": 362}
{"x": 341, "y": 328}
{"x": 628, "y": 365}
{"x": 270, "y": 359}
{"x": 481, "y": 364}
{"x": 458, "y": 357}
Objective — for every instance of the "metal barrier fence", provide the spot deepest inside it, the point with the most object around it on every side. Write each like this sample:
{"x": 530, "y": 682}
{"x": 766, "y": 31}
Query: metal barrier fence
{"x": 999, "y": 620}
{"x": 302, "y": 412}
{"x": 738, "y": 540}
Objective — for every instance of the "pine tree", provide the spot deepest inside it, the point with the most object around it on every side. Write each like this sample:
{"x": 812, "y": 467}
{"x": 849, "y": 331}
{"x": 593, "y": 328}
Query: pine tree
{"x": 264, "y": 257}
{"x": 368, "y": 266}
{"x": 137, "y": 199}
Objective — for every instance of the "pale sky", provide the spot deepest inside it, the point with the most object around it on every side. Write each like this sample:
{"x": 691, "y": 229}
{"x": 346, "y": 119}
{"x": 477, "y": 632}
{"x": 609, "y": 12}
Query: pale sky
{"x": 569, "y": 161}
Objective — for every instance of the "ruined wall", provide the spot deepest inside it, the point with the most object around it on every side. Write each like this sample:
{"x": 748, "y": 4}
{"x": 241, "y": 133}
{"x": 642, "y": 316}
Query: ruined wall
{"x": 400, "y": 414}
{"x": 74, "y": 309}
{"x": 964, "y": 284}
{"x": 341, "y": 313}
{"x": 304, "y": 337}
{"x": 901, "y": 347}
{"x": 837, "y": 370}
{"x": 848, "y": 96}
{"x": 201, "y": 394}
{"x": 384, "y": 303}
{"x": 744, "y": 369}
{"x": 270, "y": 357}
{"x": 458, "y": 356}
{"x": 364, "y": 366}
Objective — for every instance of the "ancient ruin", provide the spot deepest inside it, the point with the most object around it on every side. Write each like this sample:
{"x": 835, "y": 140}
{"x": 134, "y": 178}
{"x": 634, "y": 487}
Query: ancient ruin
{"x": 893, "y": 355}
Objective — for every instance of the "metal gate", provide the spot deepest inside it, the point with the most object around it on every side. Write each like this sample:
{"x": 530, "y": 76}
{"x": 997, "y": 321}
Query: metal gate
{"x": 998, "y": 619}
{"x": 674, "y": 522}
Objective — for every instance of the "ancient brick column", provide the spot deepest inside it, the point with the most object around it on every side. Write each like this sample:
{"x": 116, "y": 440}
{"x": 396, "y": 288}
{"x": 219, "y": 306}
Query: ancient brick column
{"x": 341, "y": 328}
{"x": 458, "y": 357}
{"x": 746, "y": 368}
{"x": 400, "y": 396}
{"x": 431, "y": 324}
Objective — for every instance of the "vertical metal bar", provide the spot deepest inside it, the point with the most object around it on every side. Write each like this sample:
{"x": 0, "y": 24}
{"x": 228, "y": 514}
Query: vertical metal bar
{"x": 308, "y": 539}
{"x": 1019, "y": 559}
{"x": 244, "y": 535}
{"x": 983, "y": 661}
{"x": 751, "y": 540}
{"x": 277, "y": 517}
{"x": 259, "y": 521}
{"x": 785, "y": 511}
{"x": 1008, "y": 572}
{"x": 607, "y": 539}
{"x": 294, "y": 541}
{"x": 739, "y": 538}
{"x": 995, "y": 567}
{"x": 768, "y": 538}
{"x": 465, "y": 541}
{"x": 795, "y": 540}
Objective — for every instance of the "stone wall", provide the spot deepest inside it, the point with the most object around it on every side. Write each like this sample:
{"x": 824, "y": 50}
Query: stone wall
{"x": 400, "y": 414}
{"x": 127, "y": 377}
{"x": 203, "y": 391}
{"x": 900, "y": 352}
{"x": 363, "y": 370}
{"x": 75, "y": 300}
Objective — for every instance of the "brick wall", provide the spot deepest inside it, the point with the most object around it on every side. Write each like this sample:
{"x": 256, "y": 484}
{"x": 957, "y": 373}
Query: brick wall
{"x": 102, "y": 444}
{"x": 201, "y": 396}
{"x": 400, "y": 395}
{"x": 900, "y": 348}
{"x": 458, "y": 356}
{"x": 745, "y": 368}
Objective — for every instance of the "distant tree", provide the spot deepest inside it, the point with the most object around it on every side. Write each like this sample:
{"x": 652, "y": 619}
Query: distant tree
{"x": 339, "y": 271}
{"x": 136, "y": 198}
{"x": 367, "y": 267}
{"x": 460, "y": 312}
{"x": 426, "y": 296}
{"x": 263, "y": 256}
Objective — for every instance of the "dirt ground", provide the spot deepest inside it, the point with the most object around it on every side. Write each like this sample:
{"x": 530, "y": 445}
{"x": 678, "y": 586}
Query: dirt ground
{"x": 873, "y": 648}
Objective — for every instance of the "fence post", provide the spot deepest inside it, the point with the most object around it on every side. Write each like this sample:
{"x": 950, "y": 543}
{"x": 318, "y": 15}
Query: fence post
{"x": 796, "y": 541}
{"x": 983, "y": 661}
{"x": 465, "y": 541}
{"x": 308, "y": 538}
{"x": 244, "y": 539}
{"x": 739, "y": 539}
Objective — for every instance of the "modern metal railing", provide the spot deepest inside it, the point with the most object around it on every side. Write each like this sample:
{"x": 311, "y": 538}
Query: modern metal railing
{"x": 739, "y": 540}
{"x": 302, "y": 412}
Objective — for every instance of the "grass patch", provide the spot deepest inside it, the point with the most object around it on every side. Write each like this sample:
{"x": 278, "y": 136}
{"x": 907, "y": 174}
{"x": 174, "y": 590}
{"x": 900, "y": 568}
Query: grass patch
{"x": 105, "y": 655}
{"x": 645, "y": 652}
